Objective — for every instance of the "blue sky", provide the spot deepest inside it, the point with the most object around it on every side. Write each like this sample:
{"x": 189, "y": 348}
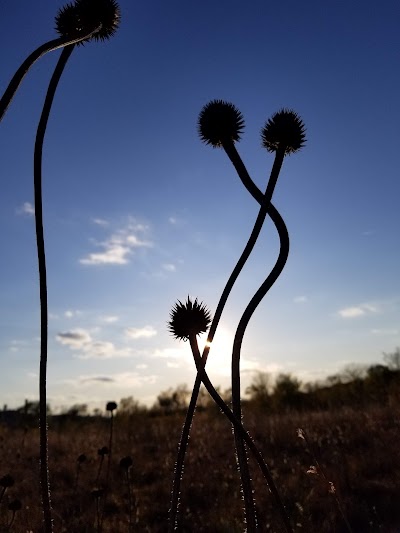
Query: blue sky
{"x": 139, "y": 213}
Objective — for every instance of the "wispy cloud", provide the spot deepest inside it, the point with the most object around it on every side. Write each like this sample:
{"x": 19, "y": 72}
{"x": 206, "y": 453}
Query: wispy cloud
{"x": 96, "y": 379}
{"x": 141, "y": 333}
{"x": 110, "y": 319}
{"x": 120, "y": 380}
{"x": 169, "y": 267}
{"x": 357, "y": 311}
{"x": 26, "y": 209}
{"x": 15, "y": 345}
{"x": 100, "y": 222}
{"x": 385, "y": 331}
{"x": 71, "y": 313}
{"x": 75, "y": 339}
{"x": 118, "y": 248}
{"x": 81, "y": 340}
{"x": 300, "y": 299}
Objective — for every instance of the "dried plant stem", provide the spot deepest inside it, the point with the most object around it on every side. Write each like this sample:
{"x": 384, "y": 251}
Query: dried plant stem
{"x": 106, "y": 488}
{"x": 238, "y": 425}
{"x": 273, "y": 213}
{"x": 19, "y": 75}
{"x": 41, "y": 130}
{"x": 11, "y": 521}
{"x": 301, "y": 433}
{"x": 236, "y": 402}
{"x": 99, "y": 469}
{"x": 128, "y": 482}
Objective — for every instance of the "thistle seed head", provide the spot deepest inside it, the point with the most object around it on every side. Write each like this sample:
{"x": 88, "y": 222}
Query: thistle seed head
{"x": 284, "y": 129}
{"x": 220, "y": 123}
{"x": 85, "y": 16}
{"x": 189, "y": 318}
{"x": 67, "y": 21}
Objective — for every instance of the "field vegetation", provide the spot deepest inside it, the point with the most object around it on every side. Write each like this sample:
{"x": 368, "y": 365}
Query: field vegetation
{"x": 332, "y": 449}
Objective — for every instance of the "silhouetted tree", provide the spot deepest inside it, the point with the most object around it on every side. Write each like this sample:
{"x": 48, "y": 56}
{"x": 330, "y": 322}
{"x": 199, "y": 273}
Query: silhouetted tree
{"x": 286, "y": 391}
{"x": 259, "y": 390}
{"x": 392, "y": 359}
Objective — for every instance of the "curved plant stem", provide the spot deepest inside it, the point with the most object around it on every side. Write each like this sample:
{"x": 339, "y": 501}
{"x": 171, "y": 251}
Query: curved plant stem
{"x": 37, "y": 171}
{"x": 236, "y": 407}
{"x": 273, "y": 213}
{"x": 31, "y": 59}
{"x": 237, "y": 424}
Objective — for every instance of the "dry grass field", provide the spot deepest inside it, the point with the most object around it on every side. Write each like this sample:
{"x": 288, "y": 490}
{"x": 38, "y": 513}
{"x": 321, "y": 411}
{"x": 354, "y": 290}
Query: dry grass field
{"x": 355, "y": 453}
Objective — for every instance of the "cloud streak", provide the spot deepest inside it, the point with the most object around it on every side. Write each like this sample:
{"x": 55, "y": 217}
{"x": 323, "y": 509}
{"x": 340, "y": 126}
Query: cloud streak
{"x": 81, "y": 340}
{"x": 119, "y": 247}
{"x": 26, "y": 209}
{"x": 357, "y": 311}
{"x": 140, "y": 333}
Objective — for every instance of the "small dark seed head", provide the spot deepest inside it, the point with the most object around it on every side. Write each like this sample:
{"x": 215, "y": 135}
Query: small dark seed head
{"x": 81, "y": 458}
{"x": 15, "y": 506}
{"x": 220, "y": 123}
{"x": 6, "y": 481}
{"x": 103, "y": 451}
{"x": 190, "y": 318}
{"x": 284, "y": 130}
{"x": 111, "y": 406}
{"x": 126, "y": 462}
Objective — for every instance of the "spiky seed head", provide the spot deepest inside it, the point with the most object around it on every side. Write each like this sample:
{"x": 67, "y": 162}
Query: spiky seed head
{"x": 220, "y": 123}
{"x": 284, "y": 129}
{"x": 85, "y": 16}
{"x": 6, "y": 481}
{"x": 126, "y": 462}
{"x": 189, "y": 318}
{"x": 68, "y": 23}
{"x": 15, "y": 505}
{"x": 111, "y": 406}
{"x": 95, "y": 12}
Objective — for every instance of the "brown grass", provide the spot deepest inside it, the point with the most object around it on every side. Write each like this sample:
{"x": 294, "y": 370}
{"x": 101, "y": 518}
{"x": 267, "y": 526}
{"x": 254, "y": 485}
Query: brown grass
{"x": 357, "y": 450}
